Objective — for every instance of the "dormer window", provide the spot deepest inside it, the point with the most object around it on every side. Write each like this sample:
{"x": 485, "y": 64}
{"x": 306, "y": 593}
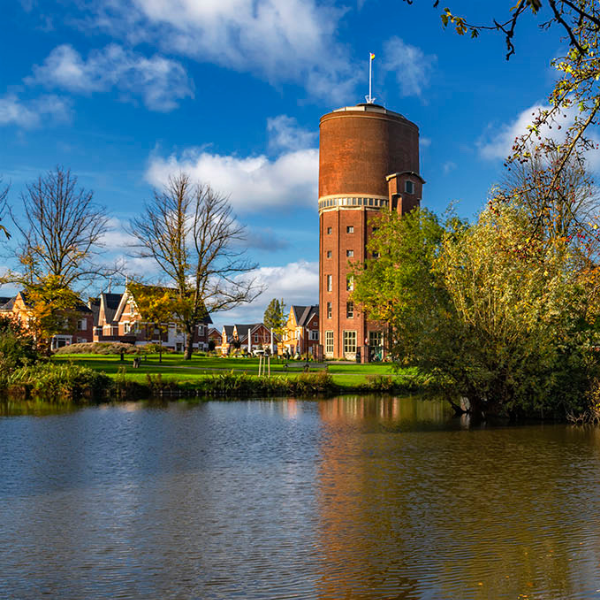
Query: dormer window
{"x": 409, "y": 187}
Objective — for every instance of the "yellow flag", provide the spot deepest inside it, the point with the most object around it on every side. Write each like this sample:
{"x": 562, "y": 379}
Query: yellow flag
{"x": 372, "y": 56}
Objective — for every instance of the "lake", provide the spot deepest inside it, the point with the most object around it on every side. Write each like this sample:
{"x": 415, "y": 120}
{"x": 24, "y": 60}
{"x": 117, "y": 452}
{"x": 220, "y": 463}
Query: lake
{"x": 353, "y": 497}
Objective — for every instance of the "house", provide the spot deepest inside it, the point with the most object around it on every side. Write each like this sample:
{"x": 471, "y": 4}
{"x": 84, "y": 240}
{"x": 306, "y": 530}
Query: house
{"x": 236, "y": 336}
{"x": 77, "y": 327}
{"x": 302, "y": 331}
{"x": 119, "y": 319}
{"x": 216, "y": 336}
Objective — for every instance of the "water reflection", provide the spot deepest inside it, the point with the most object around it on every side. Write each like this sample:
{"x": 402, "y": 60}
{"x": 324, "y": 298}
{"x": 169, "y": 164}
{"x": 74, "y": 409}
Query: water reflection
{"x": 357, "y": 497}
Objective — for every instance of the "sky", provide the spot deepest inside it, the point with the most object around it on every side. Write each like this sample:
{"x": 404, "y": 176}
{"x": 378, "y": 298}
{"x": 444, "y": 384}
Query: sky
{"x": 128, "y": 92}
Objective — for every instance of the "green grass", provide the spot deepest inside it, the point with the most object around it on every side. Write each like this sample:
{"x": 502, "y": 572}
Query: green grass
{"x": 175, "y": 368}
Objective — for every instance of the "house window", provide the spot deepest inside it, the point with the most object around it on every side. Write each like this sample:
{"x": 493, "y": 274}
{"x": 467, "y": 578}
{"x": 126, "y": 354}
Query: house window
{"x": 329, "y": 311}
{"x": 126, "y": 327}
{"x": 200, "y": 329}
{"x": 329, "y": 230}
{"x": 375, "y": 339}
{"x": 375, "y": 254}
{"x": 255, "y": 338}
{"x": 409, "y": 187}
{"x": 349, "y": 309}
{"x": 350, "y": 229}
{"x": 350, "y": 284}
{"x": 328, "y": 253}
{"x": 329, "y": 283}
{"x": 349, "y": 342}
{"x": 349, "y": 253}
{"x": 81, "y": 324}
{"x": 329, "y": 342}
{"x": 314, "y": 336}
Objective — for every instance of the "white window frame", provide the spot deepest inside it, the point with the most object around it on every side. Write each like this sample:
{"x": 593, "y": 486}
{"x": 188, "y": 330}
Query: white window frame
{"x": 349, "y": 341}
{"x": 329, "y": 342}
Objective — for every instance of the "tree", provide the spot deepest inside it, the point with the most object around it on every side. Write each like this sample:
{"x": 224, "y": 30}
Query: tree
{"x": 504, "y": 312}
{"x": 155, "y": 305}
{"x": 579, "y": 72}
{"x": 61, "y": 232}
{"x": 275, "y": 317}
{"x": 17, "y": 346}
{"x": 190, "y": 232}
{"x": 3, "y": 196}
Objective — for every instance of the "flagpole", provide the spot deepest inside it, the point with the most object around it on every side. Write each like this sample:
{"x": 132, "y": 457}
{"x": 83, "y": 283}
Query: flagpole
{"x": 369, "y": 98}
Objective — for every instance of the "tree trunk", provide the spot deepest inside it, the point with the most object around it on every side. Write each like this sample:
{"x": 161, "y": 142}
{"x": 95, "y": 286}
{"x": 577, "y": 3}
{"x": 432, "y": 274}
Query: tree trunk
{"x": 189, "y": 343}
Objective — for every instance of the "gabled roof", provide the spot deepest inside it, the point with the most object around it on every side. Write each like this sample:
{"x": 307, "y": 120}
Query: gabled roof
{"x": 110, "y": 303}
{"x": 4, "y": 301}
{"x": 303, "y": 314}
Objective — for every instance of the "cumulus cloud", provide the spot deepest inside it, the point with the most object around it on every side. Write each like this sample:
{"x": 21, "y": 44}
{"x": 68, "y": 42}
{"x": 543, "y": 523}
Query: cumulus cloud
{"x": 278, "y": 40}
{"x": 497, "y": 142}
{"x": 296, "y": 283}
{"x": 253, "y": 182}
{"x": 448, "y": 167}
{"x": 33, "y": 113}
{"x": 160, "y": 82}
{"x": 410, "y": 64}
{"x": 285, "y": 134}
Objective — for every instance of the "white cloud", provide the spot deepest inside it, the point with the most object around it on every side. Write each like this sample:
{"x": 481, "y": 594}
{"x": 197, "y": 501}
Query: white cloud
{"x": 285, "y": 134}
{"x": 411, "y": 65}
{"x": 296, "y": 283}
{"x": 448, "y": 167}
{"x": 33, "y": 113}
{"x": 497, "y": 142}
{"x": 279, "y": 40}
{"x": 160, "y": 81}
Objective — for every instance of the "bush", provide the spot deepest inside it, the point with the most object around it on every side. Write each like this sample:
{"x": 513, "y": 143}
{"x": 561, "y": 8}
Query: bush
{"x": 17, "y": 347}
{"x": 99, "y": 348}
{"x": 58, "y": 383}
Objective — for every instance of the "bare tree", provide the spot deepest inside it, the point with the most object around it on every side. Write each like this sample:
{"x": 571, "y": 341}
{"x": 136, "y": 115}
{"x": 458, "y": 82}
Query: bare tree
{"x": 61, "y": 229}
{"x": 191, "y": 233}
{"x": 3, "y": 197}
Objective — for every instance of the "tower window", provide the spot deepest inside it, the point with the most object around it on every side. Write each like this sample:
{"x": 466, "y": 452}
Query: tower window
{"x": 329, "y": 231}
{"x": 328, "y": 253}
{"x": 349, "y": 342}
{"x": 329, "y": 283}
{"x": 349, "y": 309}
{"x": 409, "y": 187}
{"x": 350, "y": 229}
{"x": 329, "y": 342}
{"x": 349, "y": 253}
{"x": 329, "y": 311}
{"x": 350, "y": 283}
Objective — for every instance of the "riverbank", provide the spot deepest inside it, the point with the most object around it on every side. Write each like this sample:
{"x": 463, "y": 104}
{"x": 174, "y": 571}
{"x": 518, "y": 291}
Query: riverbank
{"x": 93, "y": 378}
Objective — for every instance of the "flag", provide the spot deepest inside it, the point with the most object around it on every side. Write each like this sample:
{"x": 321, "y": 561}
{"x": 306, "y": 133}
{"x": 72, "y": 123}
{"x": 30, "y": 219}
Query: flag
{"x": 372, "y": 56}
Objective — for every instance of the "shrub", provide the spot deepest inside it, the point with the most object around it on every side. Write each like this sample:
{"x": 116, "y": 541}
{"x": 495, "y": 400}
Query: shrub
{"x": 99, "y": 348}
{"x": 63, "y": 382}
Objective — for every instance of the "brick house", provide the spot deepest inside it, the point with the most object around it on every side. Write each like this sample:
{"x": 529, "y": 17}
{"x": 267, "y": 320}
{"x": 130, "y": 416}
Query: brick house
{"x": 302, "y": 333}
{"x": 237, "y": 335}
{"x": 78, "y": 322}
{"x": 118, "y": 319}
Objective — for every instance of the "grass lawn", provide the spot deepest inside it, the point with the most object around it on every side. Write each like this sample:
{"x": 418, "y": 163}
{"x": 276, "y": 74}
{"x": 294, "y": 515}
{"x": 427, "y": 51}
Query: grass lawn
{"x": 173, "y": 367}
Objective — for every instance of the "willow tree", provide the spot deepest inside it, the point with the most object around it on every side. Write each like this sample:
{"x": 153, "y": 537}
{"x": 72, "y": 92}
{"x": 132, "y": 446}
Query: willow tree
{"x": 190, "y": 232}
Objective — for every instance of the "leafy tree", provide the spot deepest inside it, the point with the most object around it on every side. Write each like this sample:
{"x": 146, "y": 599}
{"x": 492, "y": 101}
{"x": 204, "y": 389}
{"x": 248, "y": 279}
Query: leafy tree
{"x": 505, "y": 311}
{"x": 156, "y": 306}
{"x": 17, "y": 346}
{"x": 275, "y": 317}
{"x": 189, "y": 231}
{"x": 578, "y": 71}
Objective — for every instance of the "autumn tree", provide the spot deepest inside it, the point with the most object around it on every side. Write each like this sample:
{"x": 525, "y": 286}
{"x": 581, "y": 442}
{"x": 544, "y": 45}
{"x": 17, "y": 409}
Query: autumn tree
{"x": 61, "y": 230}
{"x": 189, "y": 230}
{"x": 577, "y": 87}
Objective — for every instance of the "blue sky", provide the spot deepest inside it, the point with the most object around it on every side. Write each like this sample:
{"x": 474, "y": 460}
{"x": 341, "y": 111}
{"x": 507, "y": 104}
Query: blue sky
{"x": 125, "y": 92}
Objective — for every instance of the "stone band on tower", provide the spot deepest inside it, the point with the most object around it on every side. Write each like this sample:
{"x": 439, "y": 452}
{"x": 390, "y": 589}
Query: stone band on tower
{"x": 368, "y": 161}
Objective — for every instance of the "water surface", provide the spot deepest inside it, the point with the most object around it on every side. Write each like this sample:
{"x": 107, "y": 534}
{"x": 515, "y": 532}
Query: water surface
{"x": 346, "y": 498}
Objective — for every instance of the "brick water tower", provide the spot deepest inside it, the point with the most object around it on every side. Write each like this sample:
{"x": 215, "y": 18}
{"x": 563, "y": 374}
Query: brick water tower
{"x": 368, "y": 162}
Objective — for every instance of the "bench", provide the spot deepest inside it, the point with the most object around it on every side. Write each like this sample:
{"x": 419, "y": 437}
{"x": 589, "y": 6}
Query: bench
{"x": 305, "y": 366}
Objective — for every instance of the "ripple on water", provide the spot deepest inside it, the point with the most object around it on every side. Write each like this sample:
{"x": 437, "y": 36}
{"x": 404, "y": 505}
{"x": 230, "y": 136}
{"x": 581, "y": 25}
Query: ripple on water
{"x": 348, "y": 498}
